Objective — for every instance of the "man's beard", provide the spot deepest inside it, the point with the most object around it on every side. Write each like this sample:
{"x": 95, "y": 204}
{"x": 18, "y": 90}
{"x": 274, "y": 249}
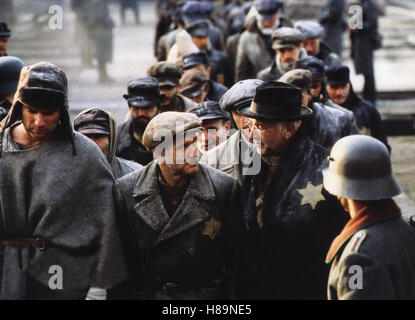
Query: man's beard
{"x": 267, "y": 31}
{"x": 139, "y": 125}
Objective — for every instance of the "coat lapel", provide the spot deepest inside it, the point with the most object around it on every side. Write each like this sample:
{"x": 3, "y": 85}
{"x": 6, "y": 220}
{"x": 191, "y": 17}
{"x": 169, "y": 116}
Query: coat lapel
{"x": 191, "y": 210}
{"x": 149, "y": 204}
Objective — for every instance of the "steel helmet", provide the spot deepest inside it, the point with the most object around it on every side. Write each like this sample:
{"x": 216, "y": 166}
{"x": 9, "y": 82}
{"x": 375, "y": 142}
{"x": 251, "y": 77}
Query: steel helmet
{"x": 360, "y": 169}
{"x": 10, "y": 72}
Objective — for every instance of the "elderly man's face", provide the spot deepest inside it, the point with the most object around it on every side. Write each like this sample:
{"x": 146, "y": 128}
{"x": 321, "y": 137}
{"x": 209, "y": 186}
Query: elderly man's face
{"x": 267, "y": 24}
{"x": 270, "y": 137}
{"x": 39, "y": 124}
{"x": 167, "y": 94}
{"x": 214, "y": 133}
{"x": 338, "y": 94}
{"x": 289, "y": 56}
{"x": 4, "y": 41}
{"x": 312, "y": 46}
{"x": 181, "y": 157}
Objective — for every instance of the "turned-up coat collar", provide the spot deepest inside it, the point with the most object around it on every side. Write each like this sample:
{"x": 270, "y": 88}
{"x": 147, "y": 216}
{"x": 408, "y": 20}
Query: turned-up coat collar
{"x": 365, "y": 217}
{"x": 190, "y": 212}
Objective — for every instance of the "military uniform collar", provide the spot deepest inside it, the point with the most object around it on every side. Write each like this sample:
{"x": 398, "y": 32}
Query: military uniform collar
{"x": 367, "y": 216}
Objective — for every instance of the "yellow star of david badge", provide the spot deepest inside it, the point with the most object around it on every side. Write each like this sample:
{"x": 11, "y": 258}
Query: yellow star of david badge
{"x": 311, "y": 195}
{"x": 212, "y": 228}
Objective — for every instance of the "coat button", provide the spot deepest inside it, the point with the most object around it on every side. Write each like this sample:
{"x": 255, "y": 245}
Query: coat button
{"x": 191, "y": 251}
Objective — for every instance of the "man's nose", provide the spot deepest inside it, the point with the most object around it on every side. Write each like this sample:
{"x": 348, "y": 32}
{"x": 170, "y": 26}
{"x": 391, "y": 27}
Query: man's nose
{"x": 39, "y": 120}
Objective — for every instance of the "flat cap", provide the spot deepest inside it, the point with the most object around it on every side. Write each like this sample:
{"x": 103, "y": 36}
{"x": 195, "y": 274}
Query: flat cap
{"x": 310, "y": 29}
{"x": 193, "y": 59}
{"x": 193, "y": 11}
{"x": 193, "y": 83}
{"x": 210, "y": 110}
{"x": 337, "y": 75}
{"x": 4, "y": 30}
{"x": 268, "y": 8}
{"x": 169, "y": 124}
{"x": 286, "y": 37}
{"x": 199, "y": 28}
{"x": 166, "y": 73}
{"x": 313, "y": 64}
{"x": 239, "y": 95}
{"x": 297, "y": 77}
{"x": 92, "y": 121}
{"x": 143, "y": 92}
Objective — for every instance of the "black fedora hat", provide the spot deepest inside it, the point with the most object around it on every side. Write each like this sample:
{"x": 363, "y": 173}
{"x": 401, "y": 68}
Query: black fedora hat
{"x": 276, "y": 101}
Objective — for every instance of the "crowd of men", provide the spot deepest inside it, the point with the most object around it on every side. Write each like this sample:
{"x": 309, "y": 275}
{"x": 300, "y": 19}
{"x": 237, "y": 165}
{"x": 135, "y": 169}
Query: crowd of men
{"x": 247, "y": 165}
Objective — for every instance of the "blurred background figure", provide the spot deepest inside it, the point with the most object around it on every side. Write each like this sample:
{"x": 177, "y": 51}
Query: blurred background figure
{"x": 96, "y": 29}
{"x": 333, "y": 18}
{"x": 4, "y": 38}
{"x": 364, "y": 42}
{"x": 7, "y": 11}
{"x": 134, "y": 6}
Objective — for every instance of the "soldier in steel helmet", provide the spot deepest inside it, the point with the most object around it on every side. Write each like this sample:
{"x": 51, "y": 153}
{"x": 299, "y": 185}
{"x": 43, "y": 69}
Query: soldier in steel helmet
{"x": 373, "y": 257}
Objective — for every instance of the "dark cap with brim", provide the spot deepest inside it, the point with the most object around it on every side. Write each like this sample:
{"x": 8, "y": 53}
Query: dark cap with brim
{"x": 4, "y": 30}
{"x": 239, "y": 95}
{"x": 142, "y": 102}
{"x": 314, "y": 65}
{"x": 198, "y": 29}
{"x": 276, "y": 101}
{"x": 210, "y": 110}
{"x": 268, "y": 8}
{"x": 143, "y": 93}
{"x": 92, "y": 122}
{"x": 194, "y": 59}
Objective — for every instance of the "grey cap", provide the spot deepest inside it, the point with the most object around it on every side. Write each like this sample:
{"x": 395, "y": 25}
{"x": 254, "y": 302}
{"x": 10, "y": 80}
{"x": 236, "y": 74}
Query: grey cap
{"x": 210, "y": 110}
{"x": 169, "y": 124}
{"x": 286, "y": 37}
{"x": 360, "y": 169}
{"x": 92, "y": 121}
{"x": 239, "y": 95}
{"x": 310, "y": 29}
{"x": 298, "y": 77}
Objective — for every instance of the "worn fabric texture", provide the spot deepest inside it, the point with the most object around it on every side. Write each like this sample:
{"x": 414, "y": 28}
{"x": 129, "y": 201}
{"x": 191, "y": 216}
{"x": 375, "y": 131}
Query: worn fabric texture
{"x": 381, "y": 243}
{"x": 254, "y": 51}
{"x": 67, "y": 201}
{"x": 327, "y": 125}
{"x": 284, "y": 258}
{"x": 190, "y": 255}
